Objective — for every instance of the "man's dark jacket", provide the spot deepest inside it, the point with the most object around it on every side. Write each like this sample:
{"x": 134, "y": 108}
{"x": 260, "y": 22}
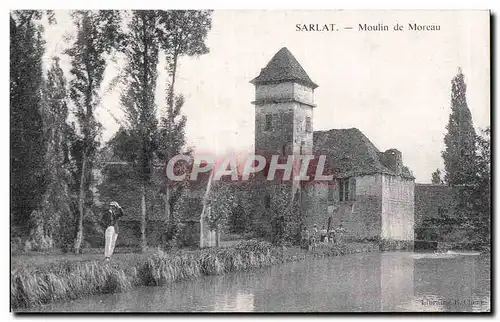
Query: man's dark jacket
{"x": 110, "y": 218}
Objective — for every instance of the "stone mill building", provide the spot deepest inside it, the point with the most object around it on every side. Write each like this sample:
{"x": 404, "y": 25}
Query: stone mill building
{"x": 372, "y": 195}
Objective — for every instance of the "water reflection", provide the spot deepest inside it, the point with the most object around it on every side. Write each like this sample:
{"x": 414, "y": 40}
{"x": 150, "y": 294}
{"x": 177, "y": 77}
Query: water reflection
{"x": 356, "y": 283}
{"x": 241, "y": 302}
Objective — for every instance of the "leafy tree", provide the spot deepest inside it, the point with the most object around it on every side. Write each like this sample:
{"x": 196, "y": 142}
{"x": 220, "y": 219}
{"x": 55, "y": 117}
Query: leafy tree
{"x": 182, "y": 33}
{"x": 278, "y": 218}
{"x": 98, "y": 33}
{"x": 474, "y": 200}
{"x": 172, "y": 140}
{"x": 285, "y": 220}
{"x": 221, "y": 202}
{"x": 237, "y": 219}
{"x": 483, "y": 189}
{"x": 138, "y": 101}
{"x": 467, "y": 164}
{"x": 436, "y": 177}
{"x": 26, "y": 125}
{"x": 57, "y": 197}
{"x": 460, "y": 140}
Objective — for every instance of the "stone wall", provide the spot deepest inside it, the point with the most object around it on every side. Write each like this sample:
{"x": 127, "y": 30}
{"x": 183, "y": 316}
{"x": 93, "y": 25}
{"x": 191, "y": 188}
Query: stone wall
{"x": 431, "y": 202}
{"x": 290, "y": 106}
{"x": 300, "y": 135}
{"x": 281, "y": 134}
{"x": 274, "y": 91}
{"x": 314, "y": 205}
{"x": 397, "y": 208}
{"x": 303, "y": 93}
{"x": 360, "y": 217}
{"x": 429, "y": 198}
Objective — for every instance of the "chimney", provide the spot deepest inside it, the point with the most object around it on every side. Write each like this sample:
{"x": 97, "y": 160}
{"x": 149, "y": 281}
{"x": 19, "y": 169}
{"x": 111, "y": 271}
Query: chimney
{"x": 393, "y": 159}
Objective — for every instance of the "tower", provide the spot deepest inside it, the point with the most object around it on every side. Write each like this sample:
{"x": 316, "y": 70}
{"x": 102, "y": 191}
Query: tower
{"x": 284, "y": 103}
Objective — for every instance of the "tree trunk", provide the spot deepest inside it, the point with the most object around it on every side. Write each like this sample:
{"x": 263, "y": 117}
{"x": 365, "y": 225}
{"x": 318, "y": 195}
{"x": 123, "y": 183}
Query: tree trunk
{"x": 217, "y": 236}
{"x": 202, "y": 228}
{"x": 170, "y": 108}
{"x": 81, "y": 202}
{"x": 143, "y": 218}
{"x": 144, "y": 107}
{"x": 166, "y": 199}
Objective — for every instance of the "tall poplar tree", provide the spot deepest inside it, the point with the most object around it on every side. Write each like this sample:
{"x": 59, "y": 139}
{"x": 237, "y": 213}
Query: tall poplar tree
{"x": 27, "y": 144}
{"x": 138, "y": 101}
{"x": 57, "y": 197}
{"x": 181, "y": 33}
{"x": 460, "y": 140}
{"x": 467, "y": 164}
{"x": 98, "y": 33}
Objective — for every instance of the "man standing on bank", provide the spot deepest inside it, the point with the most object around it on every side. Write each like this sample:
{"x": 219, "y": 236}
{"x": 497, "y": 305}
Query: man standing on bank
{"x": 111, "y": 223}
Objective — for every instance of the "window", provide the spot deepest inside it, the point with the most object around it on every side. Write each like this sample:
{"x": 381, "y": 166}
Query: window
{"x": 267, "y": 201}
{"x": 352, "y": 186}
{"x": 302, "y": 143}
{"x": 442, "y": 212}
{"x": 308, "y": 124}
{"x": 283, "y": 150}
{"x": 331, "y": 189}
{"x": 269, "y": 122}
{"x": 347, "y": 189}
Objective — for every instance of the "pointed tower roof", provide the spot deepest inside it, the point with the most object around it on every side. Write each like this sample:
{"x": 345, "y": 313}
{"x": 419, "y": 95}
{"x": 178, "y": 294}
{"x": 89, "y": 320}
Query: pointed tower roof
{"x": 281, "y": 68}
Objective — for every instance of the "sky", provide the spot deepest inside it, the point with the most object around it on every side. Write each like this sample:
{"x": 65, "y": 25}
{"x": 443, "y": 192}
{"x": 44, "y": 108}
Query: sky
{"x": 393, "y": 86}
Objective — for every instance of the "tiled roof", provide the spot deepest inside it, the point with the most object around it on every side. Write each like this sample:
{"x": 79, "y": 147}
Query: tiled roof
{"x": 283, "y": 67}
{"x": 351, "y": 153}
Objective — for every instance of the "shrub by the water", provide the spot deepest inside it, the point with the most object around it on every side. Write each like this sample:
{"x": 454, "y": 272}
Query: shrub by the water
{"x": 67, "y": 280}
{"x": 162, "y": 268}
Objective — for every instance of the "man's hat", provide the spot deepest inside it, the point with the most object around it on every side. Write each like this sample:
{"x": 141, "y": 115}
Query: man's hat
{"x": 115, "y": 204}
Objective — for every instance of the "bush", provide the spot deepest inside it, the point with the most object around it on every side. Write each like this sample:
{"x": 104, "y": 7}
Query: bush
{"x": 65, "y": 281}
{"x": 16, "y": 245}
{"x": 173, "y": 235}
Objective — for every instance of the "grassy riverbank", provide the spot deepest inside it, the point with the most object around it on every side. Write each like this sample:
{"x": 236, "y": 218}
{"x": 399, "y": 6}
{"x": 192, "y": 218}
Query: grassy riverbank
{"x": 64, "y": 280}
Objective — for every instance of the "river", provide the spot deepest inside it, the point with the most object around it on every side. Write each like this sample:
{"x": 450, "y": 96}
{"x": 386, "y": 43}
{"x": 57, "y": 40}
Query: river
{"x": 371, "y": 282}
